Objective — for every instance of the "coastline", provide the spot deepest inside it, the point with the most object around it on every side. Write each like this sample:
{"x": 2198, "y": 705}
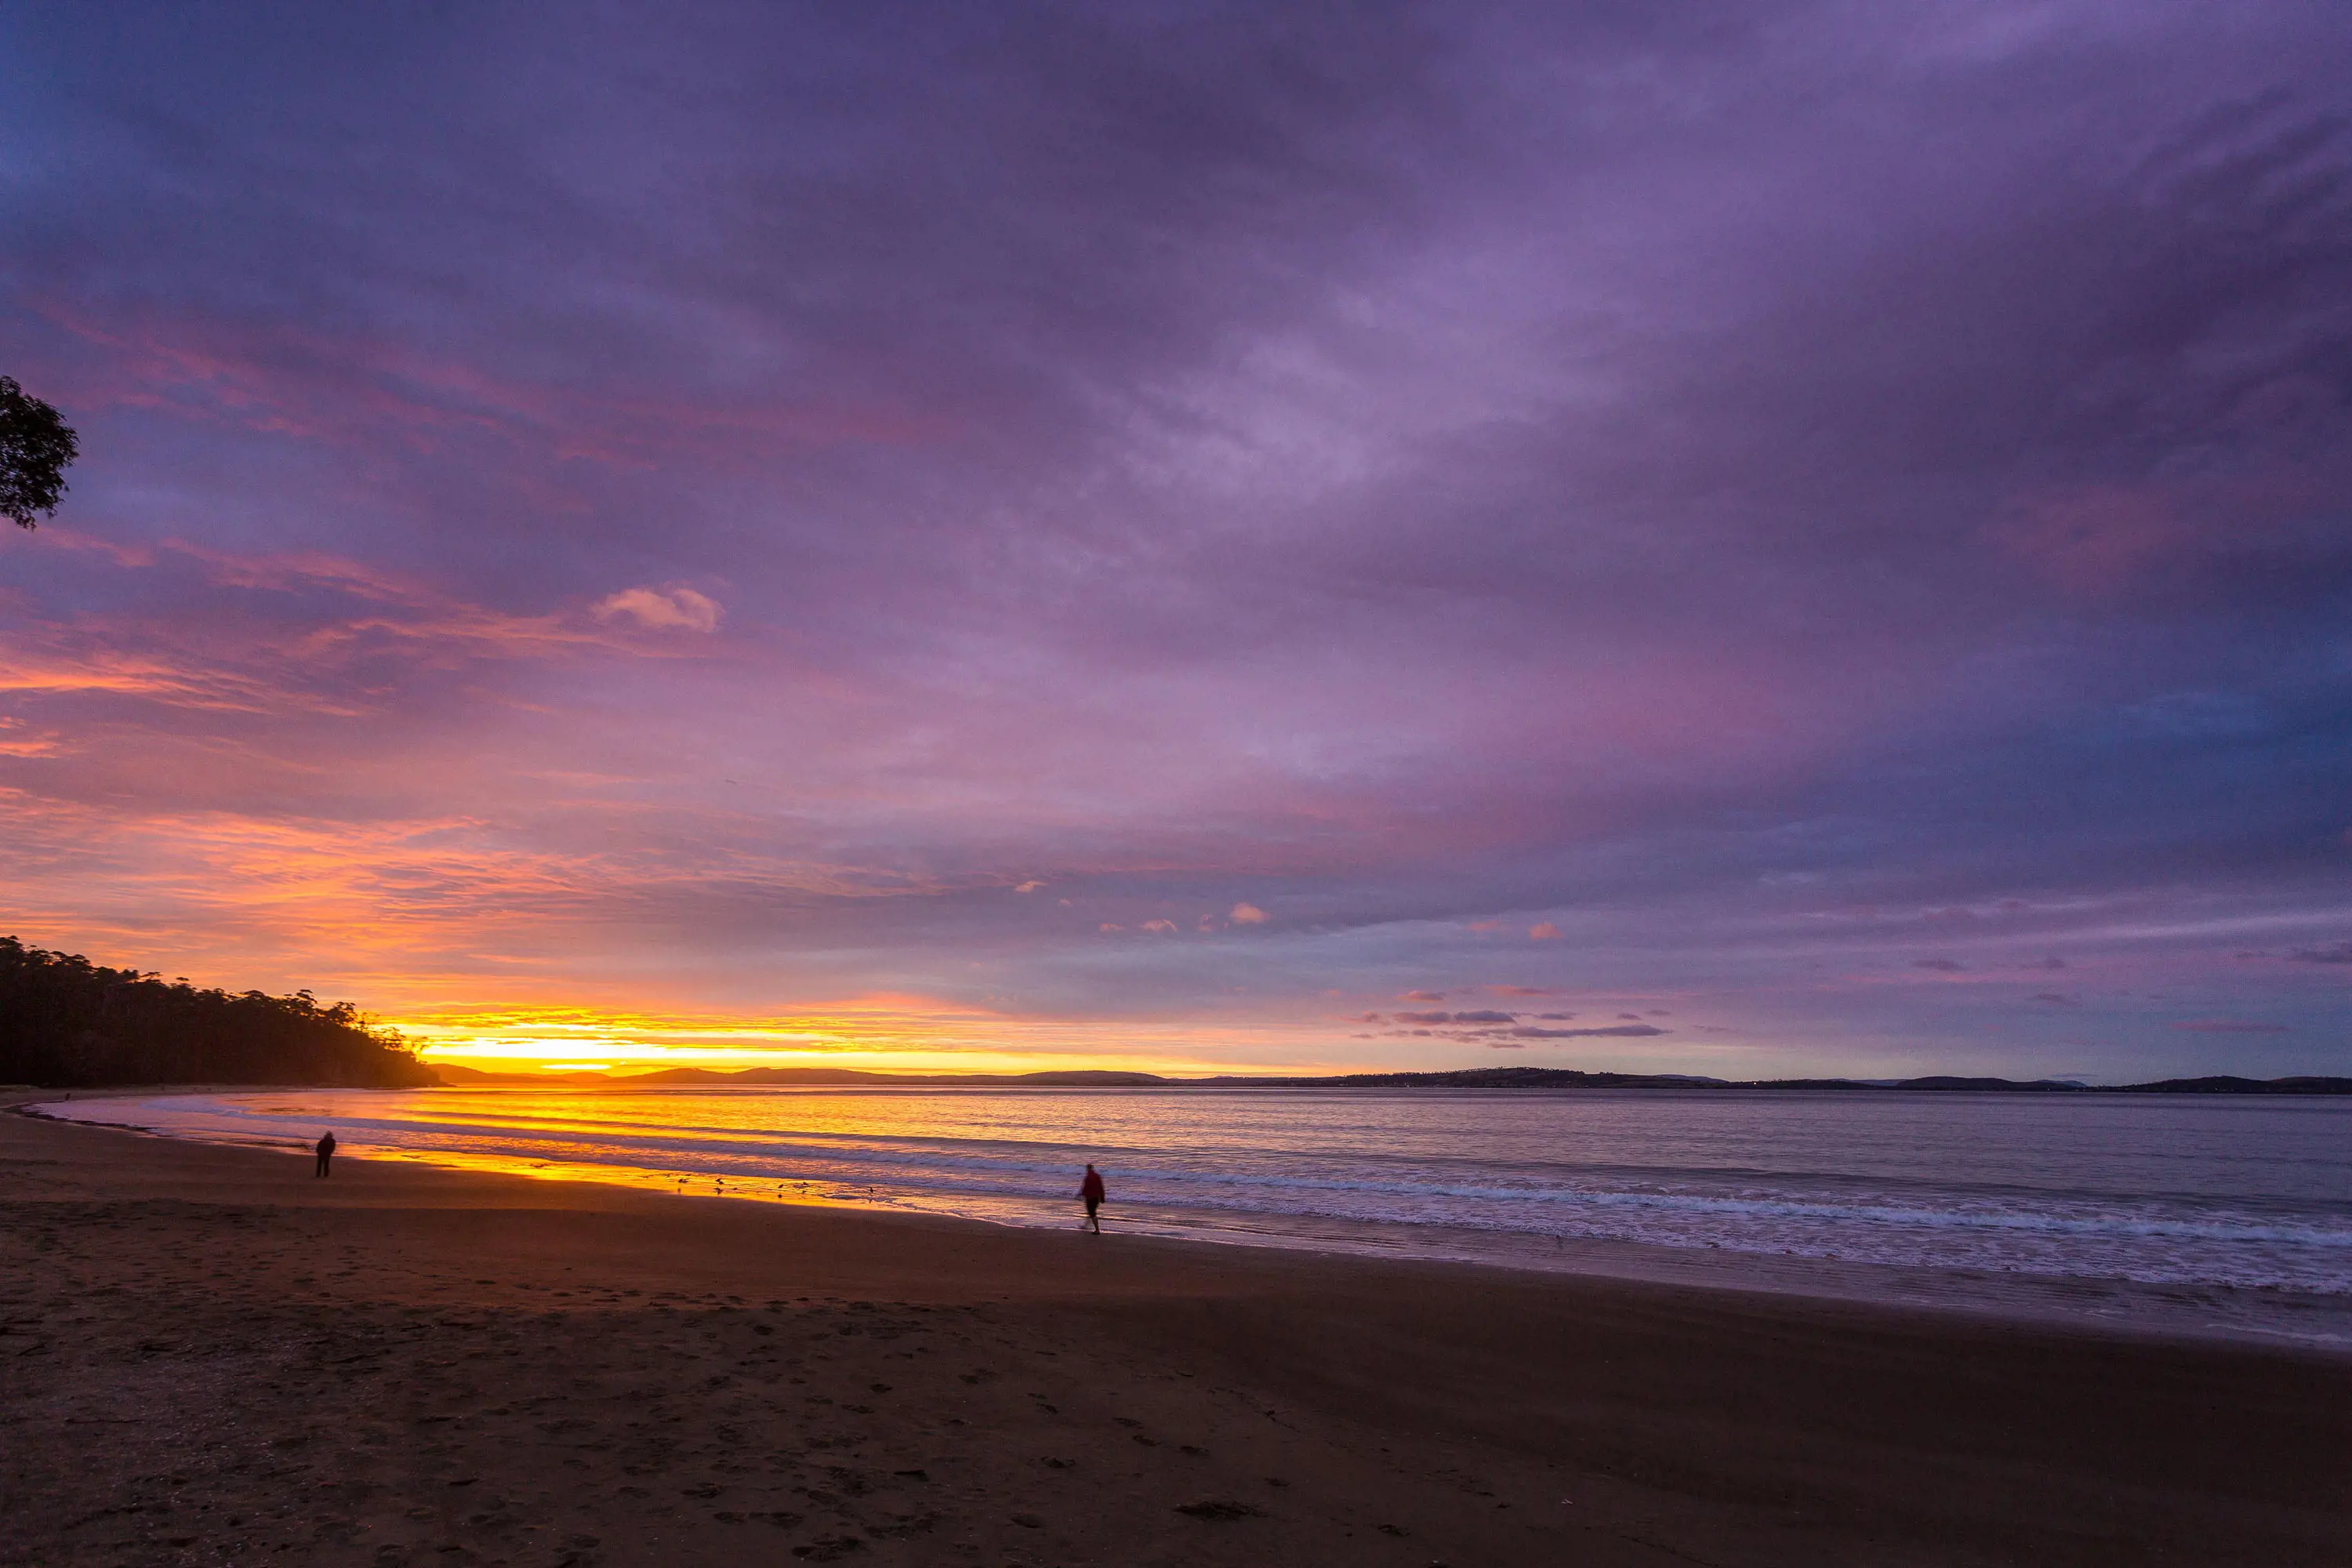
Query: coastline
{"x": 2185, "y": 1308}
{"x": 362, "y": 1368}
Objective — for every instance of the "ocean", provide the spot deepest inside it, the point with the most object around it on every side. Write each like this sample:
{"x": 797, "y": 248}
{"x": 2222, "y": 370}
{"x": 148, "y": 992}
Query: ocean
{"x": 2185, "y": 1214}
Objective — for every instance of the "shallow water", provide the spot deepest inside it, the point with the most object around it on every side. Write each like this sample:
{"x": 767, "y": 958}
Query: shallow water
{"x": 2204, "y": 1198}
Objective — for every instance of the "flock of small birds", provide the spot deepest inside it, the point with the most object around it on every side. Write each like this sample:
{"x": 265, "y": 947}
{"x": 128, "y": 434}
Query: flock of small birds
{"x": 683, "y": 1180}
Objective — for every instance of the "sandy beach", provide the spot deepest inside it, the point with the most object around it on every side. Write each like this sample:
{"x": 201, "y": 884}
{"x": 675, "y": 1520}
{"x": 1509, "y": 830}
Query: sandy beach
{"x": 210, "y": 1356}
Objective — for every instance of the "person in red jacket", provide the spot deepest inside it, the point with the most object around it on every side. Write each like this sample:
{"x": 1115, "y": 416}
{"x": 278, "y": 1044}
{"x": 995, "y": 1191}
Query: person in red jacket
{"x": 1091, "y": 1189}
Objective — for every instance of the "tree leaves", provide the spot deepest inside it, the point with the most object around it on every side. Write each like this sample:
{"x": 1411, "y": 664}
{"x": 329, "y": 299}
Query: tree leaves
{"x": 35, "y": 447}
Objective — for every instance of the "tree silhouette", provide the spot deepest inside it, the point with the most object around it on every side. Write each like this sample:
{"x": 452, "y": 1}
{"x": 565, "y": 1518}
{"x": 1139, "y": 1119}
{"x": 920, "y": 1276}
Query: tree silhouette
{"x": 35, "y": 444}
{"x": 69, "y": 1023}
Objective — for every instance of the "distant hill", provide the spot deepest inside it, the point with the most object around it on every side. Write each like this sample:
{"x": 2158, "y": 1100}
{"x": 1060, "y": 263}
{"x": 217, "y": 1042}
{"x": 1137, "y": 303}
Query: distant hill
{"x": 66, "y": 1023}
{"x": 453, "y": 1075}
{"x": 1466, "y": 1077}
{"x": 785, "y": 1078}
{"x": 1568, "y": 1077}
{"x": 1482, "y": 1077}
{"x": 1990, "y": 1085}
{"x": 2242, "y": 1085}
{"x": 753, "y": 1076}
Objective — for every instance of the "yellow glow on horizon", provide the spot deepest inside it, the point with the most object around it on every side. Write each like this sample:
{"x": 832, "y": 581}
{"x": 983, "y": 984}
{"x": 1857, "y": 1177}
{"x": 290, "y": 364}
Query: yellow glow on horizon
{"x": 905, "y": 1035}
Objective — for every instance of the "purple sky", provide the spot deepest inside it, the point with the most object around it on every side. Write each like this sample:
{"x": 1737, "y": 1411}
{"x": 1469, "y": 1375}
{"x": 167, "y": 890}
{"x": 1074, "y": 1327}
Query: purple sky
{"x": 1684, "y": 538}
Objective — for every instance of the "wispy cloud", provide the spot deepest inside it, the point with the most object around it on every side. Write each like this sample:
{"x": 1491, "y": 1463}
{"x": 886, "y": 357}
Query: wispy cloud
{"x": 662, "y": 609}
{"x": 1503, "y": 547}
{"x": 1603, "y": 1032}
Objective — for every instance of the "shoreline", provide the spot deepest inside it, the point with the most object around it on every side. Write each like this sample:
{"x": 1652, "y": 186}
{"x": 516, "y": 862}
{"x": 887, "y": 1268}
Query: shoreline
{"x": 2193, "y": 1312}
{"x": 358, "y": 1368}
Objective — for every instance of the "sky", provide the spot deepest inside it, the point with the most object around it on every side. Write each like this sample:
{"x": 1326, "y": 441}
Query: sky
{"x": 1804, "y": 538}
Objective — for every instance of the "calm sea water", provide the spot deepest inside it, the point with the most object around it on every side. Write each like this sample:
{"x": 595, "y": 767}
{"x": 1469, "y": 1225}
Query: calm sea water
{"x": 2223, "y": 1196}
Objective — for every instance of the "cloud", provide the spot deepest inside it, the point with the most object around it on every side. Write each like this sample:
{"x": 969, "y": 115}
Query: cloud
{"x": 1028, "y": 887}
{"x": 2228, "y": 1026}
{"x": 1176, "y": 506}
{"x": 1525, "y": 989}
{"x": 1425, "y": 1017}
{"x": 2056, "y": 1000}
{"x": 661, "y": 609}
{"x": 1166, "y": 928}
{"x": 1485, "y": 1016}
{"x": 1941, "y": 965}
{"x": 1607, "y": 1031}
{"x": 1247, "y": 915}
{"x": 2340, "y": 954}
{"x": 2053, "y": 963}
{"x": 1424, "y": 995}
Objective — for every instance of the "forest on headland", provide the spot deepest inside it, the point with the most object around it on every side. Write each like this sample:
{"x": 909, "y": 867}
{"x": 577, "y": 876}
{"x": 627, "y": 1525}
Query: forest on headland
{"x": 66, "y": 1023}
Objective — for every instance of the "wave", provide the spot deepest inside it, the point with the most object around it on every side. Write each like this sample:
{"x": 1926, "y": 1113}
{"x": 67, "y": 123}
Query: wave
{"x": 1195, "y": 1178}
{"x": 1177, "y": 1185}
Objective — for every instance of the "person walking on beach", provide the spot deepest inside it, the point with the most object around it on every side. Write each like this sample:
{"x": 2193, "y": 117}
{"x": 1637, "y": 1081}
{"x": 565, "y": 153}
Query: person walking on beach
{"x": 1091, "y": 1190}
{"x": 326, "y": 1154}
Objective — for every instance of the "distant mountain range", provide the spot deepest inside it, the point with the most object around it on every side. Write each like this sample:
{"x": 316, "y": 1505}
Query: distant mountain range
{"x": 65, "y": 1022}
{"x": 754, "y": 1078}
{"x": 1470, "y": 1078}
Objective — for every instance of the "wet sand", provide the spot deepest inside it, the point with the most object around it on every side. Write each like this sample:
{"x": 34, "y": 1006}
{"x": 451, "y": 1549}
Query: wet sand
{"x": 208, "y": 1356}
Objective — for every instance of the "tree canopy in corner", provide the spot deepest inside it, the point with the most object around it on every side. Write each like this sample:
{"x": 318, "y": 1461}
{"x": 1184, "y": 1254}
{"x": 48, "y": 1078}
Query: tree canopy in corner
{"x": 36, "y": 445}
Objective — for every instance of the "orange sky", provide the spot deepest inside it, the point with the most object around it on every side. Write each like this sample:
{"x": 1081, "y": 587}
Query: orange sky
{"x": 899, "y": 1035}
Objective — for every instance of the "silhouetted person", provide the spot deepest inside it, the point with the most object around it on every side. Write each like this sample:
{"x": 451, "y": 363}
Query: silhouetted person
{"x": 327, "y": 1155}
{"x": 1091, "y": 1190}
